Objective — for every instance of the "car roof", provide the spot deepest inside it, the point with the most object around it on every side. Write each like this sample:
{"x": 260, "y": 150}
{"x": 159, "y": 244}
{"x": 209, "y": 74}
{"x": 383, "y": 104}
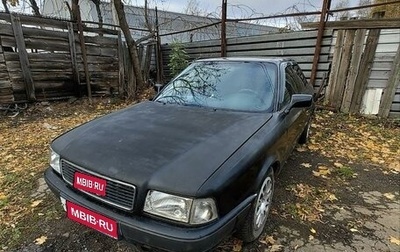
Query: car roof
{"x": 248, "y": 59}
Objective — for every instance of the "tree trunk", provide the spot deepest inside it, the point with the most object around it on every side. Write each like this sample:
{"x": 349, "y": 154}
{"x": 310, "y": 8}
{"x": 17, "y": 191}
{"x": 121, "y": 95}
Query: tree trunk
{"x": 5, "y": 6}
{"x": 75, "y": 10}
{"x": 35, "y": 8}
{"x": 132, "y": 47}
{"x": 99, "y": 15}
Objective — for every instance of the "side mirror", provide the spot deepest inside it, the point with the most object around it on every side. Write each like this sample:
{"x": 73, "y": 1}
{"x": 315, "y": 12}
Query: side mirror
{"x": 300, "y": 101}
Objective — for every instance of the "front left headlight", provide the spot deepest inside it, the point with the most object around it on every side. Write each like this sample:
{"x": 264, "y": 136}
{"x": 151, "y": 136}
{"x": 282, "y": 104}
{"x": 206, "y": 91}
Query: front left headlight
{"x": 186, "y": 210}
{"x": 55, "y": 161}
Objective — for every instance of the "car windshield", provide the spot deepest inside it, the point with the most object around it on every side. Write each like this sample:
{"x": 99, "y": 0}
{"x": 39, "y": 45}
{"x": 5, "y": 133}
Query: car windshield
{"x": 244, "y": 86}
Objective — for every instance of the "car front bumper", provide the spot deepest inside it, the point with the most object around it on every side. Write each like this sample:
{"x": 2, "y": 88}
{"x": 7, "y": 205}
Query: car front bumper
{"x": 155, "y": 233}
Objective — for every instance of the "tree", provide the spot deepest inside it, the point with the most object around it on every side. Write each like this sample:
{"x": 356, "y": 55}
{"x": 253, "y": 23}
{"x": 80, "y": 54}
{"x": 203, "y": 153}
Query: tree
{"x": 132, "y": 47}
{"x": 35, "y": 8}
{"x": 364, "y": 12}
{"x": 341, "y": 4}
{"x": 193, "y": 8}
{"x": 391, "y": 11}
{"x": 5, "y": 6}
{"x": 99, "y": 15}
{"x": 178, "y": 60}
{"x": 33, "y": 4}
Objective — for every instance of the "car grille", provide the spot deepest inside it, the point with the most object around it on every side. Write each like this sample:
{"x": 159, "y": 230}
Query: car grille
{"x": 118, "y": 193}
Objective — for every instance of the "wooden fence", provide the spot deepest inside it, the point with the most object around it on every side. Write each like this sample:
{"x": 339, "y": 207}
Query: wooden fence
{"x": 42, "y": 59}
{"x": 299, "y": 46}
{"x": 365, "y": 71}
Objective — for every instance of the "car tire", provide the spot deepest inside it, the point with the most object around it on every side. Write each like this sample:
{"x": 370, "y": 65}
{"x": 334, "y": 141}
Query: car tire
{"x": 304, "y": 135}
{"x": 256, "y": 220}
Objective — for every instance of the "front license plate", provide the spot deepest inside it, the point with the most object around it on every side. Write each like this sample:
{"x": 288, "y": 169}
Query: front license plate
{"x": 92, "y": 220}
{"x": 90, "y": 183}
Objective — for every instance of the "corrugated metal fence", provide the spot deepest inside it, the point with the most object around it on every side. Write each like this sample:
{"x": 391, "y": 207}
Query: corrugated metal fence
{"x": 299, "y": 46}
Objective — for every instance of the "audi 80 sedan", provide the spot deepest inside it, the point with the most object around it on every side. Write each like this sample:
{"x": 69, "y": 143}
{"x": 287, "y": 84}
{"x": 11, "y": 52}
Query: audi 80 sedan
{"x": 194, "y": 165}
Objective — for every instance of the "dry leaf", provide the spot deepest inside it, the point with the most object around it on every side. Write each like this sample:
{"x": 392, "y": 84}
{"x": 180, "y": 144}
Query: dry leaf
{"x": 389, "y": 196}
{"x": 301, "y": 149}
{"x": 332, "y": 197}
{"x": 312, "y": 230}
{"x": 3, "y": 196}
{"x": 270, "y": 240}
{"x": 276, "y": 248}
{"x": 394, "y": 240}
{"x": 338, "y": 165}
{"x": 36, "y": 203}
{"x": 237, "y": 245}
{"x": 307, "y": 165}
{"x": 42, "y": 239}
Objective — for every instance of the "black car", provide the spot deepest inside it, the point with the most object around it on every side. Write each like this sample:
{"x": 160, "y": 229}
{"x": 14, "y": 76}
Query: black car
{"x": 192, "y": 166}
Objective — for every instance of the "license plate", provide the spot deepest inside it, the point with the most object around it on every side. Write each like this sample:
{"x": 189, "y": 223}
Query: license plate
{"x": 92, "y": 220}
{"x": 90, "y": 183}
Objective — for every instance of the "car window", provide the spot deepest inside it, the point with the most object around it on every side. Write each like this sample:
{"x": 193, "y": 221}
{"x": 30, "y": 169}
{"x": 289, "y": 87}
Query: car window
{"x": 290, "y": 86}
{"x": 244, "y": 86}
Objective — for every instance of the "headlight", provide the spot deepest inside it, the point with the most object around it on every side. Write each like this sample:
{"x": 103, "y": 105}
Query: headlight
{"x": 187, "y": 210}
{"x": 55, "y": 161}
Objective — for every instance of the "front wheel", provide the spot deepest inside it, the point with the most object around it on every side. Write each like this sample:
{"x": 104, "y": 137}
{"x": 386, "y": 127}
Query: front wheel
{"x": 255, "y": 221}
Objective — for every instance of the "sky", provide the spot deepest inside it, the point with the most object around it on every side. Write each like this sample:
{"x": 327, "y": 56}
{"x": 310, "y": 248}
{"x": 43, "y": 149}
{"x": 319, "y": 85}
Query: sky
{"x": 236, "y": 8}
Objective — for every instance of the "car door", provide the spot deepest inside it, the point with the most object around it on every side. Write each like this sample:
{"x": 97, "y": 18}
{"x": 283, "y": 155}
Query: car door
{"x": 295, "y": 119}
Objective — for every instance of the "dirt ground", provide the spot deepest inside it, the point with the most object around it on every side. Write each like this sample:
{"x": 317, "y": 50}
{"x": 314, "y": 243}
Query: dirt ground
{"x": 340, "y": 192}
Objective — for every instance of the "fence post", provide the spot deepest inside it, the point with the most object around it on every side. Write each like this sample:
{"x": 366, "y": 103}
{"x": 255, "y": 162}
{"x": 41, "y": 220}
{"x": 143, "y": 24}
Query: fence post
{"x": 367, "y": 59}
{"x": 223, "y": 28}
{"x": 353, "y": 69}
{"x": 84, "y": 55}
{"x": 72, "y": 49}
{"x": 121, "y": 63}
{"x": 343, "y": 69}
{"x": 23, "y": 57}
{"x": 325, "y": 9}
{"x": 337, "y": 56}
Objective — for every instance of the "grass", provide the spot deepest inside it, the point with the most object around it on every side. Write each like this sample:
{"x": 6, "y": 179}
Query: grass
{"x": 345, "y": 172}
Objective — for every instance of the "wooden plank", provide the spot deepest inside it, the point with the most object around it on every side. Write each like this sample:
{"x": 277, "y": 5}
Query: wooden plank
{"x": 337, "y": 55}
{"x": 101, "y": 41}
{"x": 47, "y": 45}
{"x": 100, "y": 30}
{"x": 6, "y": 29}
{"x": 121, "y": 69}
{"x": 84, "y": 56}
{"x": 74, "y": 64}
{"x": 353, "y": 69}
{"x": 96, "y": 51}
{"x": 357, "y": 24}
{"x": 147, "y": 60}
{"x": 23, "y": 56}
{"x": 42, "y": 32}
{"x": 389, "y": 92}
{"x": 343, "y": 69}
{"x": 37, "y": 21}
{"x": 365, "y": 68}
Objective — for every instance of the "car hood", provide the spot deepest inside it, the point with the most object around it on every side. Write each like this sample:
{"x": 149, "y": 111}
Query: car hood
{"x": 159, "y": 146}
